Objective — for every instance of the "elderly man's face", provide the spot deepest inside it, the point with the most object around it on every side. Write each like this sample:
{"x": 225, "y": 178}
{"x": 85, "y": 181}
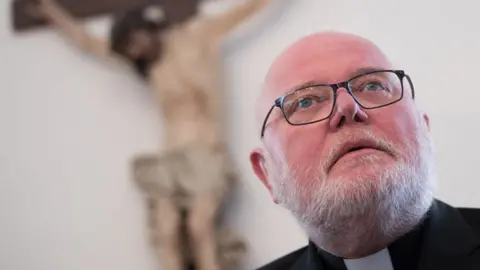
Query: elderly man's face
{"x": 387, "y": 183}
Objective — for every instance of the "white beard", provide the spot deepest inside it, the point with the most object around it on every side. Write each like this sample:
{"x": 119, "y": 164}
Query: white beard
{"x": 335, "y": 212}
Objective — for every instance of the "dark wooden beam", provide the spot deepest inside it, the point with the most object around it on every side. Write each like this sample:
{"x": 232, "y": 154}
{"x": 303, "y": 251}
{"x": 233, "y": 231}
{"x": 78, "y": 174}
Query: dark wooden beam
{"x": 176, "y": 10}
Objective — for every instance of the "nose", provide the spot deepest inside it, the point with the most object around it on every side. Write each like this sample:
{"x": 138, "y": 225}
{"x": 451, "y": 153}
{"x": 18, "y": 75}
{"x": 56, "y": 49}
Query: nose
{"x": 346, "y": 111}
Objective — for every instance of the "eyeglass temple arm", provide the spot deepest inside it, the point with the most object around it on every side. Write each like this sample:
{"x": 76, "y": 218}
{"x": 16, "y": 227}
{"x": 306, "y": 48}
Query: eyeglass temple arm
{"x": 411, "y": 85}
{"x": 266, "y": 118}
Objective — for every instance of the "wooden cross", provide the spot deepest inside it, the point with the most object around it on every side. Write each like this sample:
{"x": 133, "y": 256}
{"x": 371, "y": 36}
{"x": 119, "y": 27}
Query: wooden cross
{"x": 175, "y": 10}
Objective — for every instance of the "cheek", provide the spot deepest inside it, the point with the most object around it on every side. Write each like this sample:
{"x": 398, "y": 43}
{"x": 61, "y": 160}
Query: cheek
{"x": 303, "y": 145}
{"x": 399, "y": 124}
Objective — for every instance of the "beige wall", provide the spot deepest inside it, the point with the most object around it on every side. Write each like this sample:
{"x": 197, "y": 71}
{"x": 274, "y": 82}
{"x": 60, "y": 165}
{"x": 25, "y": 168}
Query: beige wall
{"x": 69, "y": 124}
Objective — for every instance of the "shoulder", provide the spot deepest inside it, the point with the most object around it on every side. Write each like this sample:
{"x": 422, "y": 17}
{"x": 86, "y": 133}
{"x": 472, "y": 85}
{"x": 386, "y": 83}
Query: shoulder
{"x": 471, "y": 217}
{"x": 285, "y": 262}
{"x": 191, "y": 27}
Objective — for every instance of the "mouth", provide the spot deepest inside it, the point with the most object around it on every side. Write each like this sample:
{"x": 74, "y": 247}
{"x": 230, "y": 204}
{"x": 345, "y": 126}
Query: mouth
{"x": 359, "y": 147}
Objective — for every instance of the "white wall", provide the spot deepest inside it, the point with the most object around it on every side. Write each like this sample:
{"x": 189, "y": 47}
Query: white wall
{"x": 70, "y": 124}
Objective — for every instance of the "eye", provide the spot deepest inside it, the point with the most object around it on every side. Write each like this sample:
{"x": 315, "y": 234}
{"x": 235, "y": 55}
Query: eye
{"x": 304, "y": 102}
{"x": 372, "y": 86}
{"x": 307, "y": 101}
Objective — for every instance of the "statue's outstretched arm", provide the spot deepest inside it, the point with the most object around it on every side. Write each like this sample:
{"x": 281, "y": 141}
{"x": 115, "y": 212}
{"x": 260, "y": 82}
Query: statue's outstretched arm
{"x": 72, "y": 30}
{"x": 223, "y": 24}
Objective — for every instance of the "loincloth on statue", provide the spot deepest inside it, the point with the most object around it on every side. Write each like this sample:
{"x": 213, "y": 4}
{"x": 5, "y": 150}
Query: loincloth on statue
{"x": 185, "y": 173}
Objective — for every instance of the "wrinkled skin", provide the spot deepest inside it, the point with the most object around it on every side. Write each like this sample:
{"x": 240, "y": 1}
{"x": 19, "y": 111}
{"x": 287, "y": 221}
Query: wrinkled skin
{"x": 365, "y": 200}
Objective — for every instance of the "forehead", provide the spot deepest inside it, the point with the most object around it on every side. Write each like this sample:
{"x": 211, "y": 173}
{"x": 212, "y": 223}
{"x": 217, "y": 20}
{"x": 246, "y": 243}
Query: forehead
{"x": 322, "y": 59}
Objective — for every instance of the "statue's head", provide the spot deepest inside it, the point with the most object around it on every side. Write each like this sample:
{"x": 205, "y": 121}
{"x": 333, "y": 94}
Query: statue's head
{"x": 134, "y": 35}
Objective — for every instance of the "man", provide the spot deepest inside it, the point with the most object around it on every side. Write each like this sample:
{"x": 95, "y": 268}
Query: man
{"x": 348, "y": 152}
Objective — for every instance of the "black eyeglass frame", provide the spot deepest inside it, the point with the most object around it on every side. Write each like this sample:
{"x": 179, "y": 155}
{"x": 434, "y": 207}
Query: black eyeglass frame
{"x": 335, "y": 86}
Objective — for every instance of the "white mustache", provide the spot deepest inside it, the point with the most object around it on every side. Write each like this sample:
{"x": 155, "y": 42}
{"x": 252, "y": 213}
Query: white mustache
{"x": 353, "y": 135}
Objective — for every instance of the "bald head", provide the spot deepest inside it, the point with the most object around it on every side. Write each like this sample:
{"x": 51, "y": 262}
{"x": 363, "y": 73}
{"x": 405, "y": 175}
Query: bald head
{"x": 325, "y": 57}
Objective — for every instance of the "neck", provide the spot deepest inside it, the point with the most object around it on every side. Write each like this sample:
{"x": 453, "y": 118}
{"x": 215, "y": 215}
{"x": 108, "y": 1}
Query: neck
{"x": 350, "y": 242}
{"x": 351, "y": 246}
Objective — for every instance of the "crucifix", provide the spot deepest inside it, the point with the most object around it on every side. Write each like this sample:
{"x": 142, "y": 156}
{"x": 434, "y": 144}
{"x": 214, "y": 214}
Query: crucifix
{"x": 178, "y": 53}
{"x": 22, "y": 20}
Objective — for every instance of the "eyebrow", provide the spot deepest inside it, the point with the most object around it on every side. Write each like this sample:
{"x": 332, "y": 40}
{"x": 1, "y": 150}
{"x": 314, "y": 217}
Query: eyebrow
{"x": 356, "y": 72}
{"x": 363, "y": 70}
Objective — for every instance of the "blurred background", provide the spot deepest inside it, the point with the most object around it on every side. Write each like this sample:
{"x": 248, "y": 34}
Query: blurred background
{"x": 69, "y": 125}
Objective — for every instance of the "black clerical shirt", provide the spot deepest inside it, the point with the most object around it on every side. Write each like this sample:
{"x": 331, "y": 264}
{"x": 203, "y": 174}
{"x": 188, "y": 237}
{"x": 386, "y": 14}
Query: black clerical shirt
{"x": 404, "y": 253}
{"x": 447, "y": 239}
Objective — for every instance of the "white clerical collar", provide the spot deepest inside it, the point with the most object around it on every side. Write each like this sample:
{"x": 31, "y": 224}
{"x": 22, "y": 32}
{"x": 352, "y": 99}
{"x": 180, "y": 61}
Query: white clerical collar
{"x": 380, "y": 260}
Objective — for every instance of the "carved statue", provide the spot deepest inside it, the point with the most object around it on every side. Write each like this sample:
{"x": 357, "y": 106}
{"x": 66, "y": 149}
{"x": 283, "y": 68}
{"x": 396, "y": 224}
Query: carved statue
{"x": 187, "y": 181}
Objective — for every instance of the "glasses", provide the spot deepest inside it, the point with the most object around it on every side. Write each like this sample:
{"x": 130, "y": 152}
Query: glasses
{"x": 315, "y": 103}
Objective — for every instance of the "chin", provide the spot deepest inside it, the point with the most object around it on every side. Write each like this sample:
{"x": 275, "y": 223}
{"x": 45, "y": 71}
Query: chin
{"x": 362, "y": 167}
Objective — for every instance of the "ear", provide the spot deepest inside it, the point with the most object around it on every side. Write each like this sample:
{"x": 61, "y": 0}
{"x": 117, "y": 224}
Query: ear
{"x": 257, "y": 161}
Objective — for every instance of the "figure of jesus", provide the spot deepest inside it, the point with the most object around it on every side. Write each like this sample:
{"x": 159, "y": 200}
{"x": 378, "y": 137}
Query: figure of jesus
{"x": 183, "y": 66}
